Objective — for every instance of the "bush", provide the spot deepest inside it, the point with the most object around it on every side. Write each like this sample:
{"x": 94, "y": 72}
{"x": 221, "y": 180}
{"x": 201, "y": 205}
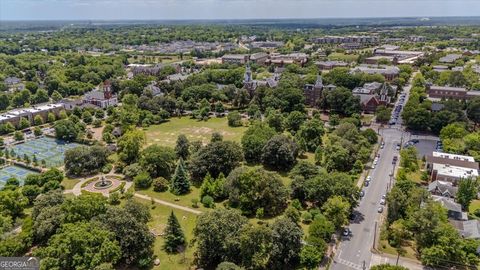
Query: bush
{"x": 234, "y": 119}
{"x": 107, "y": 168}
{"x": 195, "y": 203}
{"x": 18, "y": 135}
{"x": 477, "y": 212}
{"x": 160, "y": 184}
{"x": 207, "y": 201}
{"x": 306, "y": 217}
{"x": 114, "y": 198}
{"x": 142, "y": 180}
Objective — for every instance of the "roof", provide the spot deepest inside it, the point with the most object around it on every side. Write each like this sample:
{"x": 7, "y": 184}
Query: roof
{"x": 331, "y": 63}
{"x": 449, "y": 58}
{"x": 453, "y": 156}
{"x": 234, "y": 56}
{"x": 437, "y": 107}
{"x": 256, "y": 56}
{"x": 12, "y": 80}
{"x": 467, "y": 228}
{"x": 449, "y": 204}
{"x": 447, "y": 88}
{"x": 445, "y": 188}
{"x": 455, "y": 171}
{"x": 375, "y": 69}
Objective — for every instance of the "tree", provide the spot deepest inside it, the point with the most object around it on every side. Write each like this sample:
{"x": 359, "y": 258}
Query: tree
{"x": 337, "y": 210}
{"x": 294, "y": 120}
{"x": 228, "y": 266}
{"x": 321, "y": 228}
{"x": 311, "y": 132}
{"x": 87, "y": 117}
{"x": 286, "y": 244}
{"x": 310, "y": 257}
{"x": 216, "y": 235}
{"x": 275, "y": 120}
{"x": 37, "y": 120}
{"x": 129, "y": 146}
{"x": 467, "y": 191}
{"x": 143, "y": 180}
{"x": 254, "y": 139}
{"x": 66, "y": 130}
{"x": 256, "y": 188}
{"x": 83, "y": 160}
{"x": 370, "y": 135}
{"x": 80, "y": 240}
{"x": 12, "y": 202}
{"x": 174, "y": 237}
{"x": 160, "y": 184}
{"x": 180, "y": 180}
{"x": 182, "y": 147}
{"x": 255, "y": 246}
{"x": 234, "y": 119}
{"x": 18, "y": 135}
{"x": 215, "y": 158}
{"x": 383, "y": 114}
{"x": 158, "y": 161}
{"x": 388, "y": 267}
{"x": 24, "y": 123}
{"x": 473, "y": 110}
{"x": 279, "y": 153}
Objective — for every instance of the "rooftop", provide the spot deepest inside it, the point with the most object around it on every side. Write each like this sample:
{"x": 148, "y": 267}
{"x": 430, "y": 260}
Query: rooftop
{"x": 455, "y": 171}
{"x": 453, "y": 156}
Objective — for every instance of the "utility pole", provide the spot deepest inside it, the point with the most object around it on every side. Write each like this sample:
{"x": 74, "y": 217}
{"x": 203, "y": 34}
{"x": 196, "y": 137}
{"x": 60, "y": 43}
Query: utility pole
{"x": 364, "y": 267}
{"x": 375, "y": 234}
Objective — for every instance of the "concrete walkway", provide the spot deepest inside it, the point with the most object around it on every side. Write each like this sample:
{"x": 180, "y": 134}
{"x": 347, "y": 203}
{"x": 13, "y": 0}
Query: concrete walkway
{"x": 169, "y": 204}
{"x": 77, "y": 190}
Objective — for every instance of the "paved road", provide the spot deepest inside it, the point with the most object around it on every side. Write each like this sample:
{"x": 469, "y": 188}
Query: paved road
{"x": 354, "y": 252}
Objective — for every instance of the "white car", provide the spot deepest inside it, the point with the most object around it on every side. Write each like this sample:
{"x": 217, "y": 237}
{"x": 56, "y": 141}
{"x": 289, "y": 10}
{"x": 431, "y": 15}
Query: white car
{"x": 382, "y": 201}
{"x": 380, "y": 209}
{"x": 373, "y": 166}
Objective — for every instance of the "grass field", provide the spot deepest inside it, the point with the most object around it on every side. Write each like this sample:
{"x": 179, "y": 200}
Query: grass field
{"x": 343, "y": 57}
{"x": 183, "y": 200}
{"x": 474, "y": 205}
{"x": 68, "y": 183}
{"x": 166, "y": 134}
{"x": 159, "y": 220}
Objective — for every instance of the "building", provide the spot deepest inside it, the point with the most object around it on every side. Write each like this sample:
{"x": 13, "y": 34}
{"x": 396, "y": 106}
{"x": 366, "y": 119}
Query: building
{"x": 390, "y": 73}
{"x": 450, "y": 167}
{"x": 400, "y": 57}
{"x": 378, "y": 59}
{"x": 469, "y": 229}
{"x": 328, "y": 65}
{"x": 14, "y": 116}
{"x": 313, "y": 92}
{"x": 266, "y": 45}
{"x": 345, "y": 39}
{"x": 441, "y": 188}
{"x": 454, "y": 210}
{"x": 368, "y": 88}
{"x": 12, "y": 80}
{"x": 436, "y": 92}
{"x": 284, "y": 59}
{"x": 373, "y": 94}
{"x": 239, "y": 59}
{"x": 102, "y": 99}
{"x": 259, "y": 58}
{"x": 251, "y": 85}
{"x": 450, "y": 58}
{"x": 440, "y": 68}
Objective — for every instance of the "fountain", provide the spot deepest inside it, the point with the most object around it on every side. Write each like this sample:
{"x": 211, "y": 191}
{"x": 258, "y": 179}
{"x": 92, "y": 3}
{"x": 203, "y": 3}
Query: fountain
{"x": 103, "y": 183}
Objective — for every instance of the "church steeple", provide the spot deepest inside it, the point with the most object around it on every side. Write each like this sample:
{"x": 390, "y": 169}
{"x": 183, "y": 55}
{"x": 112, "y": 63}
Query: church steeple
{"x": 247, "y": 77}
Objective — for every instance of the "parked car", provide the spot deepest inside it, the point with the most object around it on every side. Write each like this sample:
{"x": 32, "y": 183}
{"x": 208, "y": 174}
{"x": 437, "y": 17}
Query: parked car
{"x": 382, "y": 201}
{"x": 346, "y": 232}
{"x": 362, "y": 193}
{"x": 380, "y": 209}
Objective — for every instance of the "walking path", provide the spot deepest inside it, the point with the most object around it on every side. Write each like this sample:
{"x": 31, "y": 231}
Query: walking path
{"x": 77, "y": 190}
{"x": 169, "y": 204}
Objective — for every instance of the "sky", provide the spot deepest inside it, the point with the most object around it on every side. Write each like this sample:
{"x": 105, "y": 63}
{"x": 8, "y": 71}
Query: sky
{"x": 230, "y": 9}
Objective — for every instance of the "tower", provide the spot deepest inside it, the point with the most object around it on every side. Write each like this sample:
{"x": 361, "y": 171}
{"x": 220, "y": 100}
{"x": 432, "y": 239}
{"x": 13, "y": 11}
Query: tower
{"x": 248, "y": 83}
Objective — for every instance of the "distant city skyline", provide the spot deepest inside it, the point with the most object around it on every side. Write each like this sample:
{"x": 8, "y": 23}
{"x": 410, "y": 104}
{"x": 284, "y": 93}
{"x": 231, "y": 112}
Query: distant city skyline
{"x": 230, "y": 9}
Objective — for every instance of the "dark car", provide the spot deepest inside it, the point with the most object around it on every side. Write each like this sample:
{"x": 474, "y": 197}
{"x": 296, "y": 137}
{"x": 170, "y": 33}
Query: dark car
{"x": 415, "y": 140}
{"x": 395, "y": 158}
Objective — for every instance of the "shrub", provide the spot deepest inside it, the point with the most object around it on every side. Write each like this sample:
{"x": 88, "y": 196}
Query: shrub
{"x": 195, "y": 203}
{"x": 142, "y": 180}
{"x": 114, "y": 198}
{"x": 107, "y": 168}
{"x": 306, "y": 217}
{"x": 160, "y": 184}
{"x": 207, "y": 201}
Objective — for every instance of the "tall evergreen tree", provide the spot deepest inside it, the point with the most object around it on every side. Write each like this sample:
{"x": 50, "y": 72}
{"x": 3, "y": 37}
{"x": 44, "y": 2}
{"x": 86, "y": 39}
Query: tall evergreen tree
{"x": 180, "y": 181}
{"x": 182, "y": 147}
{"x": 174, "y": 237}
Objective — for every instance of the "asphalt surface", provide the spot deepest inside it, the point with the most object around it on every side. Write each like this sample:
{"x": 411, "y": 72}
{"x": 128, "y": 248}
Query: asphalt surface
{"x": 354, "y": 251}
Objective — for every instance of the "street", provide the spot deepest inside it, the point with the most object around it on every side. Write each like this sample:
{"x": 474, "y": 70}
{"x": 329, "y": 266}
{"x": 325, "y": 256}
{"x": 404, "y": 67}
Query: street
{"x": 355, "y": 251}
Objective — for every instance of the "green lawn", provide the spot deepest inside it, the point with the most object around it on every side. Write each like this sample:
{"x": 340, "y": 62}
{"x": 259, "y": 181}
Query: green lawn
{"x": 68, "y": 183}
{"x": 166, "y": 134}
{"x": 474, "y": 205}
{"x": 187, "y": 221}
{"x": 343, "y": 57}
{"x": 183, "y": 200}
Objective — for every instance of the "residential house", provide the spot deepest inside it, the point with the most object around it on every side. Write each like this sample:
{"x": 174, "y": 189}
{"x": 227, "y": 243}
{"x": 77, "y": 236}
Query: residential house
{"x": 442, "y": 188}
{"x": 454, "y": 210}
{"x": 469, "y": 229}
